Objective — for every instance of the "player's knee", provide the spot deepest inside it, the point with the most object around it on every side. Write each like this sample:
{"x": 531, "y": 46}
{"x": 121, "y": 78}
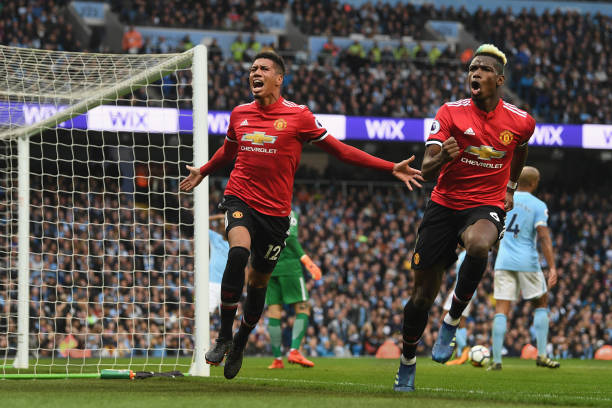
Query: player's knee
{"x": 233, "y": 276}
{"x": 478, "y": 248}
{"x": 274, "y": 312}
{"x": 542, "y": 301}
{"x": 302, "y": 307}
{"x": 237, "y": 259}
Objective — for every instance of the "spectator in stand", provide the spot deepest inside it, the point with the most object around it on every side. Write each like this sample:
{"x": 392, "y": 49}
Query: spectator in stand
{"x": 375, "y": 54}
{"x": 401, "y": 53}
{"x": 214, "y": 51}
{"x": 253, "y": 48}
{"x": 238, "y": 49}
{"x": 162, "y": 46}
{"x": 132, "y": 41}
{"x": 433, "y": 55}
{"x": 355, "y": 56}
{"x": 466, "y": 56}
{"x": 329, "y": 52}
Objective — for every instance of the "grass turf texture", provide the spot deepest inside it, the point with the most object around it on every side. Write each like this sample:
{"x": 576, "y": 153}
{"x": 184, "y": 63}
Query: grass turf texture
{"x": 361, "y": 382}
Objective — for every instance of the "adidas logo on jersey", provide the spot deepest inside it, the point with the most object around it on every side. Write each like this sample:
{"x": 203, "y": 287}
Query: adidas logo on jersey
{"x": 244, "y": 123}
{"x": 469, "y": 132}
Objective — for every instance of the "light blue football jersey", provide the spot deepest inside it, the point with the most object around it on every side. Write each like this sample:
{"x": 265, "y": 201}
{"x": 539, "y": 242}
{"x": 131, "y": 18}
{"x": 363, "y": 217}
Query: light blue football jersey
{"x": 218, "y": 256}
{"x": 518, "y": 249}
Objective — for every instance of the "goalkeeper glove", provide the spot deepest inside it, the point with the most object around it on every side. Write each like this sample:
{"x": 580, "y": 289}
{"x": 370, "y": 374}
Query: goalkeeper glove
{"x": 314, "y": 270}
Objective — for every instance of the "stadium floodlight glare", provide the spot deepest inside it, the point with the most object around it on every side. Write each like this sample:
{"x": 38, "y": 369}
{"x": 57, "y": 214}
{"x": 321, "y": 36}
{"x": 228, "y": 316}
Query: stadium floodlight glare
{"x": 98, "y": 248}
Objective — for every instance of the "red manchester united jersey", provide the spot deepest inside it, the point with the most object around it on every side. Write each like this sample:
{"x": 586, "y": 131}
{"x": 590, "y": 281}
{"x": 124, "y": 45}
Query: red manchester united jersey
{"x": 478, "y": 176}
{"x": 270, "y": 140}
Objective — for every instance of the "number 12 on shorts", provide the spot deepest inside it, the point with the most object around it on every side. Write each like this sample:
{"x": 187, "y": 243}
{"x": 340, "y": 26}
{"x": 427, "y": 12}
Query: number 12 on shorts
{"x": 273, "y": 252}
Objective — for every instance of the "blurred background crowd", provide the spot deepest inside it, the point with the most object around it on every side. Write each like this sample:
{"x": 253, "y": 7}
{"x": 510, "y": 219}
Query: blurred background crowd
{"x": 119, "y": 277}
{"x": 559, "y": 66}
{"x": 116, "y": 271}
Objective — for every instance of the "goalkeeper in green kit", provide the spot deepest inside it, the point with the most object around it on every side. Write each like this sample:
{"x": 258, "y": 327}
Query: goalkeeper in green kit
{"x": 287, "y": 287}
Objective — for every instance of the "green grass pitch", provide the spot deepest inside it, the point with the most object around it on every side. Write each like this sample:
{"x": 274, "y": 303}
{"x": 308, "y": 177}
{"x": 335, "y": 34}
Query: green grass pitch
{"x": 337, "y": 383}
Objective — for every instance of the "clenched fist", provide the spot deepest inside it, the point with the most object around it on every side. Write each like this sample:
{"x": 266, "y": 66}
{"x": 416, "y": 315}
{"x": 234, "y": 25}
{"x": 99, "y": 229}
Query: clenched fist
{"x": 450, "y": 149}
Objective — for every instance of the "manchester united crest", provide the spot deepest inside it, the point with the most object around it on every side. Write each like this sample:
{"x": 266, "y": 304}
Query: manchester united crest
{"x": 417, "y": 258}
{"x": 280, "y": 124}
{"x": 506, "y": 137}
{"x": 237, "y": 214}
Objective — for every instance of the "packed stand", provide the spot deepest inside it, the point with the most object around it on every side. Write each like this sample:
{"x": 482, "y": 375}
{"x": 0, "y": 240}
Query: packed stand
{"x": 110, "y": 269}
{"x": 37, "y": 24}
{"x": 342, "y": 19}
{"x": 119, "y": 276}
{"x": 202, "y": 15}
{"x": 558, "y": 61}
{"x": 363, "y": 239}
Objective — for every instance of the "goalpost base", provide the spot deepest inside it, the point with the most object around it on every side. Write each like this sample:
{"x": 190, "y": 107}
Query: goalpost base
{"x": 91, "y": 198}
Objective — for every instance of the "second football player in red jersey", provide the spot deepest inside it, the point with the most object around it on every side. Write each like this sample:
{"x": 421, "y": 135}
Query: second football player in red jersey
{"x": 266, "y": 138}
{"x": 476, "y": 148}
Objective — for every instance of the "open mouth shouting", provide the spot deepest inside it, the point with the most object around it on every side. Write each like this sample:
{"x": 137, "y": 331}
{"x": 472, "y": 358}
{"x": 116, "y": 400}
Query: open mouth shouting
{"x": 475, "y": 88}
{"x": 257, "y": 85}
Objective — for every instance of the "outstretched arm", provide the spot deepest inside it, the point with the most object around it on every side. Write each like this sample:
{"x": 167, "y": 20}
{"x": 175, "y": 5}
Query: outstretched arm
{"x": 352, "y": 155}
{"x": 221, "y": 158}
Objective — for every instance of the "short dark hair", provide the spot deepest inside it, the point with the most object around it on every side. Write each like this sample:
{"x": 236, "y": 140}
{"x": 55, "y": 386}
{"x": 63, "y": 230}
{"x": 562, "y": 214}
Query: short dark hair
{"x": 274, "y": 57}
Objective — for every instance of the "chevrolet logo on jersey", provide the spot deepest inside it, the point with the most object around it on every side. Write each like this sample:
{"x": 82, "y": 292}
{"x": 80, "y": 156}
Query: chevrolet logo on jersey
{"x": 485, "y": 152}
{"x": 258, "y": 138}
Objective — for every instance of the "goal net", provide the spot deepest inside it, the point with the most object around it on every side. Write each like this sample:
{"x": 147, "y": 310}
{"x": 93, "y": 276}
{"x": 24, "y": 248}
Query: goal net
{"x": 98, "y": 249}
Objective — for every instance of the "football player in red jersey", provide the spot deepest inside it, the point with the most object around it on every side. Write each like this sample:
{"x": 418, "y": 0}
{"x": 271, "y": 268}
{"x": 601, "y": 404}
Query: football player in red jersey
{"x": 266, "y": 137}
{"x": 476, "y": 149}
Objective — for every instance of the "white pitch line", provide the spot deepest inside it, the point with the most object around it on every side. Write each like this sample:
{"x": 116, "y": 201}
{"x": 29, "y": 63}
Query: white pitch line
{"x": 481, "y": 392}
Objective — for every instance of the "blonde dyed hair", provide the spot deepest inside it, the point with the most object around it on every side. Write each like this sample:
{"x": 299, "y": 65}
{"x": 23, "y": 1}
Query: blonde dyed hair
{"x": 490, "y": 49}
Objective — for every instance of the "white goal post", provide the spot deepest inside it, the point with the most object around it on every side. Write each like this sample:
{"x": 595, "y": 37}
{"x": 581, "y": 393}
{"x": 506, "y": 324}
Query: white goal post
{"x": 98, "y": 248}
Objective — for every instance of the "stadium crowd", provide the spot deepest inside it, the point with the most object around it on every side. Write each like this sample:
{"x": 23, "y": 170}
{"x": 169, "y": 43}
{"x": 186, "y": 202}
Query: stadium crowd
{"x": 558, "y": 61}
{"x": 203, "y": 15}
{"x": 119, "y": 276}
{"x": 363, "y": 240}
{"x": 95, "y": 268}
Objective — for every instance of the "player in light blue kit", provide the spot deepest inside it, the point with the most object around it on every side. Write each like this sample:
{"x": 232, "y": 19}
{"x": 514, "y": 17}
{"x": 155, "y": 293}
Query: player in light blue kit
{"x": 219, "y": 248}
{"x": 517, "y": 268}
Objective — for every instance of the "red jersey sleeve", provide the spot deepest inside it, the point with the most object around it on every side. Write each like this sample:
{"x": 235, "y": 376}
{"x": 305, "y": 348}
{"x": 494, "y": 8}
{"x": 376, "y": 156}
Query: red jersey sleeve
{"x": 352, "y": 155}
{"x": 231, "y": 132}
{"x": 529, "y": 129}
{"x": 310, "y": 129}
{"x": 440, "y": 127}
{"x": 226, "y": 153}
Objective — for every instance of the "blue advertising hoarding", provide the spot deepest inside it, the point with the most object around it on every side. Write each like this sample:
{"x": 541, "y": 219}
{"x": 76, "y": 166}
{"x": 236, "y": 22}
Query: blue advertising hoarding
{"x": 169, "y": 120}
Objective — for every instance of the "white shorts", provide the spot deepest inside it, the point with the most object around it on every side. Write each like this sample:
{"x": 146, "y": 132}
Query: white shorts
{"x": 214, "y": 296}
{"x": 508, "y": 285}
{"x": 449, "y": 300}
